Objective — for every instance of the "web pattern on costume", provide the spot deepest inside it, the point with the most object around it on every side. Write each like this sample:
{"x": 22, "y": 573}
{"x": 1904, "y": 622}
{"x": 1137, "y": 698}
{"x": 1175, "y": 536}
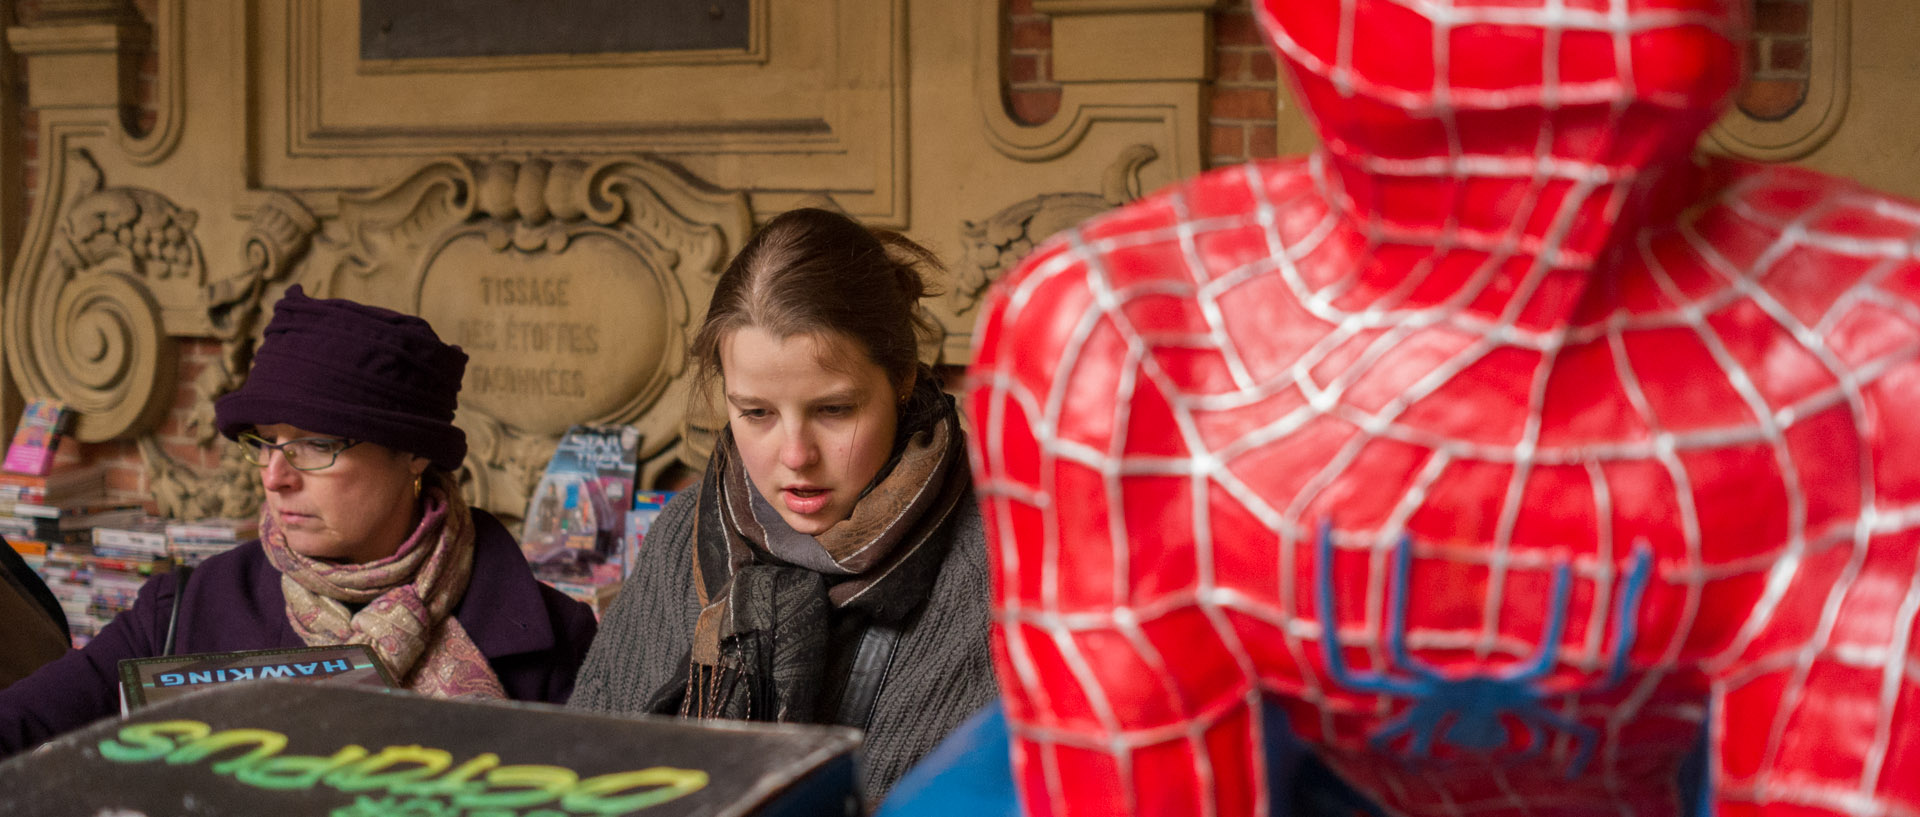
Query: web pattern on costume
{"x": 1467, "y": 710}
{"x": 1170, "y": 400}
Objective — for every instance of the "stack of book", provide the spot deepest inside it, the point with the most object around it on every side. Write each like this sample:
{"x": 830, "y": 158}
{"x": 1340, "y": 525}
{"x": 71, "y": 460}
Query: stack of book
{"x": 33, "y": 495}
{"x": 125, "y": 553}
{"x": 93, "y": 587}
{"x": 135, "y": 537}
{"x": 86, "y": 546}
{"x": 190, "y": 543}
{"x": 65, "y": 570}
{"x": 114, "y": 582}
{"x": 51, "y": 507}
{"x": 55, "y": 535}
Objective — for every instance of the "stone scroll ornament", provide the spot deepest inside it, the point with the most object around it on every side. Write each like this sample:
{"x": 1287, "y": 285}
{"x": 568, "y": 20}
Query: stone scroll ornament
{"x": 1502, "y": 451}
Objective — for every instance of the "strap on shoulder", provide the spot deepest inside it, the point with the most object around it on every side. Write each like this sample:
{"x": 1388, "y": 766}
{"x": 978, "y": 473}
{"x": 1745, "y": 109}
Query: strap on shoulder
{"x": 184, "y": 573}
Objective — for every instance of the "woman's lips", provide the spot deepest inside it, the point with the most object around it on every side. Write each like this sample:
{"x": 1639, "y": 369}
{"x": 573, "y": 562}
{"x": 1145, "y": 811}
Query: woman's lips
{"x": 805, "y": 501}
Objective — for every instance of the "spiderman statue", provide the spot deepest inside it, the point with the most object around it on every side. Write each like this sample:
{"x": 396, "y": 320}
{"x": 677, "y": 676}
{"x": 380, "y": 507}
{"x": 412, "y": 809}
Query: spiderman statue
{"x": 1503, "y": 453}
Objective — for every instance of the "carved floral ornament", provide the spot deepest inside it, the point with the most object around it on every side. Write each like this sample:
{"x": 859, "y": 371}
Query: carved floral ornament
{"x": 84, "y": 317}
{"x": 996, "y": 243}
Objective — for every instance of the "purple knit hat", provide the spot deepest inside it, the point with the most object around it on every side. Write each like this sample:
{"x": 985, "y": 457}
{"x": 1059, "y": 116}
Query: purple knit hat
{"x": 337, "y": 367}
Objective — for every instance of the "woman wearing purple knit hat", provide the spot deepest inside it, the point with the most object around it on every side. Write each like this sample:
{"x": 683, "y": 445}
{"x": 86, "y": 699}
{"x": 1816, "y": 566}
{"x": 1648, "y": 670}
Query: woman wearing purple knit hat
{"x": 364, "y": 538}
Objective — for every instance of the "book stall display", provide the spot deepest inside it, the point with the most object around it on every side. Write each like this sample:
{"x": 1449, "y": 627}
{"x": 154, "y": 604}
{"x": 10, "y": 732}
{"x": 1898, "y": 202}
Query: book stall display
{"x": 92, "y": 549}
{"x": 583, "y": 530}
{"x": 49, "y": 510}
{"x": 93, "y": 582}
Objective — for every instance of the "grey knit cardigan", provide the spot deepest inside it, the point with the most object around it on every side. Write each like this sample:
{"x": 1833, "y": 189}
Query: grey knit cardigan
{"x": 941, "y": 670}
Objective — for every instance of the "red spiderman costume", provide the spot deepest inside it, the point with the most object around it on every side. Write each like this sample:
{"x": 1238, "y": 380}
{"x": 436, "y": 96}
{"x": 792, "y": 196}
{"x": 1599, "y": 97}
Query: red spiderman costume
{"x": 1500, "y": 444}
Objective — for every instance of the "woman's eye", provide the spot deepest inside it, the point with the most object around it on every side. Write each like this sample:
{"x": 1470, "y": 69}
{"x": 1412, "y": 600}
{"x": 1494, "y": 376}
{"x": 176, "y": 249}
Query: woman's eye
{"x": 836, "y": 411}
{"x": 753, "y": 414}
{"x": 316, "y": 447}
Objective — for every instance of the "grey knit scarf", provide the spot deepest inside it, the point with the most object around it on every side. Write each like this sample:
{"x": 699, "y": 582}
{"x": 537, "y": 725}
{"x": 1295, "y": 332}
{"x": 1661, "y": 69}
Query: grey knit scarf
{"x": 770, "y": 598}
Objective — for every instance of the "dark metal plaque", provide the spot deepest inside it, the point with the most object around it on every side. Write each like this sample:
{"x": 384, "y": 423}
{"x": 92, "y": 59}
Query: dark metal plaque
{"x": 415, "y": 29}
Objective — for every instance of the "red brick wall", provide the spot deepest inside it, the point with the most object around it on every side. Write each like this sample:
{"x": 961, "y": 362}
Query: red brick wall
{"x": 1780, "y": 60}
{"x": 1032, "y": 95}
{"x": 1240, "y": 119}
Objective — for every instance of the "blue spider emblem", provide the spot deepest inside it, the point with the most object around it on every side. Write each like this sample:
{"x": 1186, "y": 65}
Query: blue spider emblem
{"x": 1469, "y": 712}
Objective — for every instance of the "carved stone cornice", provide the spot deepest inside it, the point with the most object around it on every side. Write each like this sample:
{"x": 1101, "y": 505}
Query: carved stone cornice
{"x": 80, "y": 65}
{"x": 71, "y": 12}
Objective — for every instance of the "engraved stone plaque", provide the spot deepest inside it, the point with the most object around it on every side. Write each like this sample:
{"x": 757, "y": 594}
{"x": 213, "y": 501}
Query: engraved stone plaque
{"x": 555, "y": 337}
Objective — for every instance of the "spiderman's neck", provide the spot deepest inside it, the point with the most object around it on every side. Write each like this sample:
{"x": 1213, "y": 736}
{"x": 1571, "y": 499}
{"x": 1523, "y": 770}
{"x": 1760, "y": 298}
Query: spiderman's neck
{"x": 1516, "y": 242}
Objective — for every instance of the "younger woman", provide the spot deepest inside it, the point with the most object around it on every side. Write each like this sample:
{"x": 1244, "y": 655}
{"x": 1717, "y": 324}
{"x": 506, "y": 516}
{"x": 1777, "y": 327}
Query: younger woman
{"x": 830, "y": 566}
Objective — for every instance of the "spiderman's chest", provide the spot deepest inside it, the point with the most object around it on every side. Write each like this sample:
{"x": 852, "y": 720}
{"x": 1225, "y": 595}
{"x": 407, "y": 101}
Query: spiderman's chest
{"x": 1528, "y": 483}
{"x": 1714, "y": 447}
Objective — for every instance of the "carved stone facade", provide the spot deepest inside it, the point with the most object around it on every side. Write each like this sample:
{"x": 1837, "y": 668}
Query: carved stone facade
{"x": 561, "y": 217}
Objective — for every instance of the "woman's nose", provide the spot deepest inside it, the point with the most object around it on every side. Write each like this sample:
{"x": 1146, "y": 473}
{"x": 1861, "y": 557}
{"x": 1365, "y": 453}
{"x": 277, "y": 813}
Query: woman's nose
{"x": 276, "y": 474}
{"x": 797, "y": 448}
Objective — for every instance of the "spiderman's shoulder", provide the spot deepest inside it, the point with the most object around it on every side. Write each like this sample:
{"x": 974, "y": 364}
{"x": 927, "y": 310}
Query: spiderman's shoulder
{"x": 1165, "y": 246}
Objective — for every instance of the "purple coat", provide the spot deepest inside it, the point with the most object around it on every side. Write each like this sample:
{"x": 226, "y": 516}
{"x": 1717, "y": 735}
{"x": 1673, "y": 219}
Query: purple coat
{"x": 533, "y": 636}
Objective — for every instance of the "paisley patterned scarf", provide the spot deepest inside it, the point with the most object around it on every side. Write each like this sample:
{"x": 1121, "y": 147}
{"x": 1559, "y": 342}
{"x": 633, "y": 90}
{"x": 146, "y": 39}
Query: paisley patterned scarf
{"x": 408, "y": 599}
{"x": 769, "y": 595}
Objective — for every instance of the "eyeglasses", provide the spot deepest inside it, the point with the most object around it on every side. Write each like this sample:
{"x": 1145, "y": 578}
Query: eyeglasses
{"x": 302, "y": 453}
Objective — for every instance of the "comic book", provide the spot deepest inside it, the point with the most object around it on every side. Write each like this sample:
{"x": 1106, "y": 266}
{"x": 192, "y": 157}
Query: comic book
{"x": 646, "y": 507}
{"x": 576, "y": 517}
{"x": 37, "y": 437}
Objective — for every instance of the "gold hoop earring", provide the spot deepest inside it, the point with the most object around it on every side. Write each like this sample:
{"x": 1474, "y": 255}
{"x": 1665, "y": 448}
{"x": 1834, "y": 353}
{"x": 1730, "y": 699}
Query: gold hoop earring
{"x": 416, "y": 486}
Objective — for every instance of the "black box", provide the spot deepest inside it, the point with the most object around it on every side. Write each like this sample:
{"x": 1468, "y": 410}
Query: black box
{"x": 293, "y": 749}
